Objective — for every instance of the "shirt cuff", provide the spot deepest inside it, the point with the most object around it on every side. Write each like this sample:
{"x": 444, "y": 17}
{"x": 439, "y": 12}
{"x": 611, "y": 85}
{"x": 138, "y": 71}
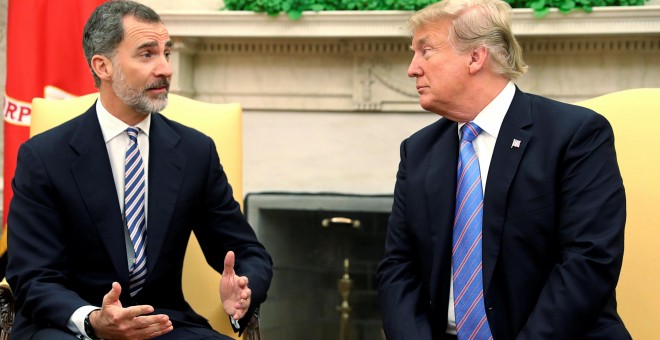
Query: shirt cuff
{"x": 234, "y": 323}
{"x": 76, "y": 322}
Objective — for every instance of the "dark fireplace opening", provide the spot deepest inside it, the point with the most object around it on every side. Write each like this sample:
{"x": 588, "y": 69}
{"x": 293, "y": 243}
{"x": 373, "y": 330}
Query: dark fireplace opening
{"x": 312, "y": 237}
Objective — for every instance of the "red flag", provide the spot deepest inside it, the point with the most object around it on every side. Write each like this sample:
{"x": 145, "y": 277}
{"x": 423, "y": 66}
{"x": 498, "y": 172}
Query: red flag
{"x": 44, "y": 50}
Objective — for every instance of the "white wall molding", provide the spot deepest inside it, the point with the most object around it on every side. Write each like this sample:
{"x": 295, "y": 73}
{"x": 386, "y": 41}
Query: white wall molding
{"x": 388, "y": 24}
{"x": 591, "y": 45}
{"x": 298, "y": 47}
{"x": 356, "y": 60}
{"x": 602, "y": 21}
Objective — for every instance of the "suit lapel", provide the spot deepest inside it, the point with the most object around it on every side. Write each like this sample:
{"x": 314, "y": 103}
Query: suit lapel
{"x": 166, "y": 169}
{"x": 440, "y": 191}
{"x": 503, "y": 167}
{"x": 93, "y": 176}
{"x": 441, "y": 171}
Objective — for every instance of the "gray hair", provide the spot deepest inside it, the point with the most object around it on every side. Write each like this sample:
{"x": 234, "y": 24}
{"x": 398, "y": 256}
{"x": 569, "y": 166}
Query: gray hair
{"x": 477, "y": 23}
{"x": 104, "y": 29}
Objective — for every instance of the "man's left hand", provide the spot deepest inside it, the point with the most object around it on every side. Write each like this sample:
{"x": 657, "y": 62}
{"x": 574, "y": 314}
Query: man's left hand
{"x": 234, "y": 290}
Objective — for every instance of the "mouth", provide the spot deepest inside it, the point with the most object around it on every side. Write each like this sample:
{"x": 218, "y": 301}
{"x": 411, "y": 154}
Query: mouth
{"x": 162, "y": 86}
{"x": 420, "y": 88}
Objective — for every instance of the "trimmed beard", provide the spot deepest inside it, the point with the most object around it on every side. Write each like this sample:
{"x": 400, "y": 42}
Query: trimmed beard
{"x": 137, "y": 99}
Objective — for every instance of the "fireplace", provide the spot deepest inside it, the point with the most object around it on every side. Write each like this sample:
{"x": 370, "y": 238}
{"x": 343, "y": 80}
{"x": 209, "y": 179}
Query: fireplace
{"x": 311, "y": 238}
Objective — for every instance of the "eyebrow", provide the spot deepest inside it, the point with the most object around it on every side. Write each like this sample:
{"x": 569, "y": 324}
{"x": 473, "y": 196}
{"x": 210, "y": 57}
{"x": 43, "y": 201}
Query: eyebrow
{"x": 422, "y": 41}
{"x": 147, "y": 44}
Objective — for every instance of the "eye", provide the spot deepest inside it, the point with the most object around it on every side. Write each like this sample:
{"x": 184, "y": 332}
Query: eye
{"x": 146, "y": 54}
{"x": 167, "y": 55}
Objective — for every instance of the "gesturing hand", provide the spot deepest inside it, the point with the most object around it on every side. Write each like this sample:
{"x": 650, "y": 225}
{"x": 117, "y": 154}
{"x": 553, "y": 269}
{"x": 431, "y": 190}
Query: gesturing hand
{"x": 234, "y": 290}
{"x": 115, "y": 322}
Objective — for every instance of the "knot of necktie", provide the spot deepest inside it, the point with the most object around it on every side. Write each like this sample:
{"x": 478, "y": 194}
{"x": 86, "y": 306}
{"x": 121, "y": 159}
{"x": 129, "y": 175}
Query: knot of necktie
{"x": 132, "y": 133}
{"x": 469, "y": 132}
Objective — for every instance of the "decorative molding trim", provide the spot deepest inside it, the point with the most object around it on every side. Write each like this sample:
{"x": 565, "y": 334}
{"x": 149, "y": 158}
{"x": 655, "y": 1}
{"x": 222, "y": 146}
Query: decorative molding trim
{"x": 211, "y": 48}
{"x": 327, "y": 24}
{"x": 602, "y": 21}
{"x": 389, "y": 24}
{"x": 384, "y": 71}
{"x": 586, "y": 45}
{"x": 641, "y": 44}
{"x": 303, "y": 47}
{"x": 272, "y": 47}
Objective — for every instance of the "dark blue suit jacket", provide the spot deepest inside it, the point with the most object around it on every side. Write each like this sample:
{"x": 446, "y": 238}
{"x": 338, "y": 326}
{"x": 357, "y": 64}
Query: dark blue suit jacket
{"x": 66, "y": 238}
{"x": 554, "y": 216}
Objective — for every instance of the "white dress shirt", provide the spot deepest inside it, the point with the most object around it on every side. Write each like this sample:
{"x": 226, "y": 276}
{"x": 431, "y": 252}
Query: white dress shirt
{"x": 489, "y": 120}
{"x": 116, "y": 142}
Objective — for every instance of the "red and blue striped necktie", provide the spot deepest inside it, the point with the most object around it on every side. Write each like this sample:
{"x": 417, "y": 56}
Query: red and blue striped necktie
{"x": 471, "y": 321}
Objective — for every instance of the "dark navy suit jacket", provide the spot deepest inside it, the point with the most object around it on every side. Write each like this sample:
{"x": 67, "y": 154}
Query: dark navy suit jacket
{"x": 66, "y": 238}
{"x": 553, "y": 225}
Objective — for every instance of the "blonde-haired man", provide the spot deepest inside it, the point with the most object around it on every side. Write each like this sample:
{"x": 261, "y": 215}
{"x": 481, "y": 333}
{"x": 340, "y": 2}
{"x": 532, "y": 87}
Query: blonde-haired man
{"x": 509, "y": 212}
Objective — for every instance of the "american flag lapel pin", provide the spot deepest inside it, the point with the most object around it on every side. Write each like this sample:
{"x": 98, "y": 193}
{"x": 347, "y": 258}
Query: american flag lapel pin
{"x": 515, "y": 144}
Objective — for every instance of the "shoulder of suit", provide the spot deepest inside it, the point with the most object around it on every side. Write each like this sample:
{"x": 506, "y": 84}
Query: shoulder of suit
{"x": 543, "y": 106}
{"x": 64, "y": 131}
{"x": 434, "y": 129}
{"x": 181, "y": 129}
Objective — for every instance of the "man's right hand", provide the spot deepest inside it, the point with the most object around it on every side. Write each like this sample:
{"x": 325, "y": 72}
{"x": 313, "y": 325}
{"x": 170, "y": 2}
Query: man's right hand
{"x": 113, "y": 321}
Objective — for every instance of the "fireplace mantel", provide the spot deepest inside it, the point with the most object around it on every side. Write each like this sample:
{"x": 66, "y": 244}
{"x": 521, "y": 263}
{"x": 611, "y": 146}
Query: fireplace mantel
{"x": 360, "y": 57}
{"x": 388, "y": 24}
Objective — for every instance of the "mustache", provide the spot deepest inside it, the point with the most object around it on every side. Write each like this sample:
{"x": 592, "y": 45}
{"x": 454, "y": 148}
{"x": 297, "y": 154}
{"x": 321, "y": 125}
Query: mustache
{"x": 159, "y": 84}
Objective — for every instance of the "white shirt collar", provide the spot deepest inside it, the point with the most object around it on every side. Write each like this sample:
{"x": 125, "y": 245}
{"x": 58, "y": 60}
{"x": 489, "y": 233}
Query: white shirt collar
{"x": 111, "y": 126}
{"x": 491, "y": 117}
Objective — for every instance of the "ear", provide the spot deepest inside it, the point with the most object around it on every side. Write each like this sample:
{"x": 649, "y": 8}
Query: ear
{"x": 478, "y": 59}
{"x": 102, "y": 66}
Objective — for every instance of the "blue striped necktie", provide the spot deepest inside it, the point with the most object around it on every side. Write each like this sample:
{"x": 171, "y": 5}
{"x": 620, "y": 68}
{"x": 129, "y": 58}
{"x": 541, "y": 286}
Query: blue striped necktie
{"x": 134, "y": 195}
{"x": 471, "y": 321}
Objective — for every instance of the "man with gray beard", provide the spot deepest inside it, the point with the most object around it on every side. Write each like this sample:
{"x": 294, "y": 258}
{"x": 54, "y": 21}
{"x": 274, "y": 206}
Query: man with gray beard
{"x": 104, "y": 205}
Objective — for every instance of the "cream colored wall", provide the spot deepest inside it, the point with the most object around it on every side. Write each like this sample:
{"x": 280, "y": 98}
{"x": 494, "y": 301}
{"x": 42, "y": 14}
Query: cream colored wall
{"x": 321, "y": 151}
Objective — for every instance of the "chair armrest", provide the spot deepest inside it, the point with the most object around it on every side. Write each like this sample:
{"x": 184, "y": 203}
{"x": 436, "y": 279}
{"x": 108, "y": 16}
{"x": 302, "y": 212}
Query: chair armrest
{"x": 6, "y": 310}
{"x": 252, "y": 329}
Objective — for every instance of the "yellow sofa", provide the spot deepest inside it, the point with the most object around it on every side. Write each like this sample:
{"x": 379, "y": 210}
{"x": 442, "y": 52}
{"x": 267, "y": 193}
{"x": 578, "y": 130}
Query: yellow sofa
{"x": 635, "y": 118}
{"x": 223, "y": 123}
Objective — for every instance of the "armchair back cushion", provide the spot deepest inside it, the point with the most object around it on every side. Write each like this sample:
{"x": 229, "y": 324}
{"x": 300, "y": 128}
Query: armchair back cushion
{"x": 635, "y": 118}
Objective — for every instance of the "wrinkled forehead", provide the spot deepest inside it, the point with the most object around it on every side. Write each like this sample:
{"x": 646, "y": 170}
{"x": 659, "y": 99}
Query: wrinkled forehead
{"x": 139, "y": 33}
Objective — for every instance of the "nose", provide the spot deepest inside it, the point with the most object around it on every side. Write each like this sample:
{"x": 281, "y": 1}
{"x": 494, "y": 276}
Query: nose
{"x": 414, "y": 70}
{"x": 164, "y": 68}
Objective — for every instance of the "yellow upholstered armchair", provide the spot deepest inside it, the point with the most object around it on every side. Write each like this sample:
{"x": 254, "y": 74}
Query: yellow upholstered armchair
{"x": 222, "y": 122}
{"x": 635, "y": 118}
